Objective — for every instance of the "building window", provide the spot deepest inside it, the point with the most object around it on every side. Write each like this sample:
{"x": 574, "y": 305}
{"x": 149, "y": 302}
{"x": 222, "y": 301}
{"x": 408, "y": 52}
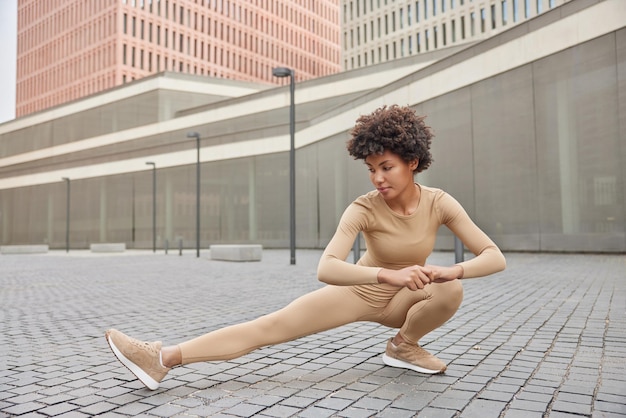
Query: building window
{"x": 462, "y": 27}
{"x": 482, "y": 20}
{"x": 504, "y": 12}
{"x": 453, "y": 31}
{"x": 493, "y": 16}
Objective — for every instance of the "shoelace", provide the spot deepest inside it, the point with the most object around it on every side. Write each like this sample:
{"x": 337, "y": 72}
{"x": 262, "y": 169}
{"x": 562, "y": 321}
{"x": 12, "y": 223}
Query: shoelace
{"x": 143, "y": 345}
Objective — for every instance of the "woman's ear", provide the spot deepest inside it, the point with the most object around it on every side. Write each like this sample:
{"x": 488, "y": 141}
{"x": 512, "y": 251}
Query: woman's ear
{"x": 413, "y": 164}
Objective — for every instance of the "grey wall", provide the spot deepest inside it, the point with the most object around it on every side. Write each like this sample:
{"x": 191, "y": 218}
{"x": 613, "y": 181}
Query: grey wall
{"x": 536, "y": 155}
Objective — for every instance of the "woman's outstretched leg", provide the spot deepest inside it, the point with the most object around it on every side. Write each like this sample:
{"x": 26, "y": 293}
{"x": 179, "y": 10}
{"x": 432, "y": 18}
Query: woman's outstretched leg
{"x": 323, "y": 309}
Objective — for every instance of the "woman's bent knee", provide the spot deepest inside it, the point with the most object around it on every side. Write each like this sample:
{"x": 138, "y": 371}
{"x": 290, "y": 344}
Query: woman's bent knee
{"x": 451, "y": 294}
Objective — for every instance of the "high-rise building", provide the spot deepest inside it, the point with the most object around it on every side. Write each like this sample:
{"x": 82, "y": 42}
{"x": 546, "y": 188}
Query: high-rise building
{"x": 375, "y": 31}
{"x": 72, "y": 48}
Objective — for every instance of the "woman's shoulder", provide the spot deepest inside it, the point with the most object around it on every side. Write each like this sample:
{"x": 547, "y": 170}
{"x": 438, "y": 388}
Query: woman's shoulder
{"x": 432, "y": 193}
{"x": 368, "y": 199}
{"x": 436, "y": 197}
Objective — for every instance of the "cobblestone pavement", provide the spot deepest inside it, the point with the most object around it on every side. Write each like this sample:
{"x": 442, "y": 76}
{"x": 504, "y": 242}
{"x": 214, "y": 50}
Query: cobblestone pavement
{"x": 546, "y": 337}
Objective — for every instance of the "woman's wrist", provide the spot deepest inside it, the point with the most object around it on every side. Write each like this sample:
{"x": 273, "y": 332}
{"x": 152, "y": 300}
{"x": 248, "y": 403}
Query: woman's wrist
{"x": 459, "y": 271}
{"x": 380, "y": 276}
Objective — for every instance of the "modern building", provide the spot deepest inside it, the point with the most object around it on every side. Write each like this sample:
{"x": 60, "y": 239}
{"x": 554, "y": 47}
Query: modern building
{"x": 529, "y": 137}
{"x": 375, "y": 31}
{"x": 73, "y": 48}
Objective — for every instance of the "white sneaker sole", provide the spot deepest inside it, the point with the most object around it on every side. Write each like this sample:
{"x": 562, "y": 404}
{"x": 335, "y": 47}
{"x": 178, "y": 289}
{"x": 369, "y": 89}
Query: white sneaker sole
{"x": 389, "y": 361}
{"x": 136, "y": 370}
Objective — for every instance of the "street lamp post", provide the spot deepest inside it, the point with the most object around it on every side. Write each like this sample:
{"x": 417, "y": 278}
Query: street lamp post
{"x": 288, "y": 72}
{"x": 67, "y": 215}
{"x": 197, "y": 136}
{"x": 153, "y": 205}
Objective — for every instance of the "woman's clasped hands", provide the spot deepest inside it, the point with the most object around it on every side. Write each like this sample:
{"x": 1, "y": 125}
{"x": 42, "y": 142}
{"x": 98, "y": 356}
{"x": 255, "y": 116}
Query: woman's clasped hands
{"x": 416, "y": 277}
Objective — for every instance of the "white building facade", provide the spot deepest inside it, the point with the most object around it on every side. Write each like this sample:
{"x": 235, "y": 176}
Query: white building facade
{"x": 375, "y": 31}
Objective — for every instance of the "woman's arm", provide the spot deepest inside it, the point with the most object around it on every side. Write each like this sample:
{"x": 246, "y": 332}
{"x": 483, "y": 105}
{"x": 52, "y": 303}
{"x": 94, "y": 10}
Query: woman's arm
{"x": 332, "y": 268}
{"x": 489, "y": 258}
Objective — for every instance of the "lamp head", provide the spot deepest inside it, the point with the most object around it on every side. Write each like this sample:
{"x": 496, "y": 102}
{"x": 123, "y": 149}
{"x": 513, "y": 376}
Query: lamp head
{"x": 193, "y": 135}
{"x": 282, "y": 72}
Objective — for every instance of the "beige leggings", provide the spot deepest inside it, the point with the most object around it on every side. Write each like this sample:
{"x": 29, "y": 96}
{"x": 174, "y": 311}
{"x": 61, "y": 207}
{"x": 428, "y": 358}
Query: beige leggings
{"x": 415, "y": 313}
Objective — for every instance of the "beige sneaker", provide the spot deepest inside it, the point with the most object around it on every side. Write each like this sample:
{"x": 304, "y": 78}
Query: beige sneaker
{"x": 141, "y": 358}
{"x": 413, "y": 357}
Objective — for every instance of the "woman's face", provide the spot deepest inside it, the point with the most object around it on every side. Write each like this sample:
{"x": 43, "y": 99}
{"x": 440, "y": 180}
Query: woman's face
{"x": 390, "y": 174}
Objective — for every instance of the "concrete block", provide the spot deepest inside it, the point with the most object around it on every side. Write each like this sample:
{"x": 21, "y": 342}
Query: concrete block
{"x": 236, "y": 252}
{"x": 24, "y": 249}
{"x": 108, "y": 247}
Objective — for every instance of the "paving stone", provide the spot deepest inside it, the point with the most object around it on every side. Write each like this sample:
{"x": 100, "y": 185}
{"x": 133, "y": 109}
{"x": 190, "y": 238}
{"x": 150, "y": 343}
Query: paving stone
{"x": 483, "y": 408}
{"x": 23, "y": 408}
{"x": 395, "y": 413}
{"x": 97, "y": 408}
{"x": 245, "y": 409}
{"x": 356, "y": 413}
{"x": 316, "y": 412}
{"x": 437, "y": 413}
{"x": 522, "y": 413}
{"x": 571, "y": 408}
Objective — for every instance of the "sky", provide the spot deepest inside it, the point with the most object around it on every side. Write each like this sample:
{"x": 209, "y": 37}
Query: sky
{"x": 8, "y": 51}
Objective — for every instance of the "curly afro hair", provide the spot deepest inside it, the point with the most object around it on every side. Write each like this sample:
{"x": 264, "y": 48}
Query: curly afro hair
{"x": 395, "y": 128}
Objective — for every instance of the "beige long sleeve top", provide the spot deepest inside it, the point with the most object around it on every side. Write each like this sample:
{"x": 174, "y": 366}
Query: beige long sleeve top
{"x": 396, "y": 241}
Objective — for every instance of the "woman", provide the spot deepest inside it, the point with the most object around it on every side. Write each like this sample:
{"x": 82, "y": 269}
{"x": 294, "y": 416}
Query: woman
{"x": 391, "y": 284}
